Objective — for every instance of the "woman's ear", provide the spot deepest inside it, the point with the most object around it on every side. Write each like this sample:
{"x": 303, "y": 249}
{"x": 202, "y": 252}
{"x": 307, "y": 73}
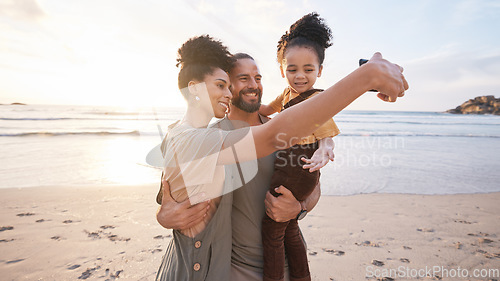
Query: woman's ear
{"x": 193, "y": 89}
{"x": 281, "y": 69}
{"x": 320, "y": 69}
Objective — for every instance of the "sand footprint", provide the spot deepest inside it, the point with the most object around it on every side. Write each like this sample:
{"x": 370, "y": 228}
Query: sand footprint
{"x": 463, "y": 221}
{"x": 14, "y": 261}
{"x": 107, "y": 226}
{"x": 162, "y": 236}
{"x": 100, "y": 234}
{"x": 87, "y": 273}
{"x": 484, "y": 240}
{"x": 335, "y": 252}
{"x": 3, "y": 228}
{"x": 425, "y": 229}
{"x": 25, "y": 214}
{"x": 405, "y": 260}
{"x": 7, "y": 240}
{"x": 75, "y": 266}
{"x": 480, "y": 234}
{"x": 113, "y": 275}
{"x": 368, "y": 243}
{"x": 156, "y": 251}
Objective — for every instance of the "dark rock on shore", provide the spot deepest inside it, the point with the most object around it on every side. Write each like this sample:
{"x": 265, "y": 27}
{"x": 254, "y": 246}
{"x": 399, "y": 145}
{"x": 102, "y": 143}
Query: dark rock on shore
{"x": 14, "y": 103}
{"x": 478, "y": 105}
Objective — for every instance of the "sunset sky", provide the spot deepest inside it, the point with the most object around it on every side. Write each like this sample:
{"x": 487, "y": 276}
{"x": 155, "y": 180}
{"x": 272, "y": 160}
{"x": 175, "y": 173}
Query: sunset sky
{"x": 122, "y": 52}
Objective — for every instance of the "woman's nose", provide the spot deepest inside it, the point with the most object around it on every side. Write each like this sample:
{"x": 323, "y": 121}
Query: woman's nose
{"x": 228, "y": 94}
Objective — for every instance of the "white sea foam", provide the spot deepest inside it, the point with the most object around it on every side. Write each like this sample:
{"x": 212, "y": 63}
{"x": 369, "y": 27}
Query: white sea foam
{"x": 385, "y": 152}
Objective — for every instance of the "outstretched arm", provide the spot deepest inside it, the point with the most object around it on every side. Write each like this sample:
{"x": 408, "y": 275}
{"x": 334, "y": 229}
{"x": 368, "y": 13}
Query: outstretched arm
{"x": 280, "y": 133}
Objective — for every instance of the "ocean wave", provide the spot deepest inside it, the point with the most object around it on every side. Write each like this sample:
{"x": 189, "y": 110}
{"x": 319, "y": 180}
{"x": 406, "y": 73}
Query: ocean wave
{"x": 340, "y": 121}
{"x": 151, "y": 118}
{"x": 112, "y": 113}
{"x": 343, "y": 134}
{"x": 33, "y": 119}
{"x": 54, "y": 134}
{"x": 410, "y": 134}
{"x": 81, "y": 118}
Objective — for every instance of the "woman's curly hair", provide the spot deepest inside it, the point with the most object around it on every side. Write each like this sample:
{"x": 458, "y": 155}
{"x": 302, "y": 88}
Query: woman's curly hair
{"x": 200, "y": 56}
{"x": 309, "y": 31}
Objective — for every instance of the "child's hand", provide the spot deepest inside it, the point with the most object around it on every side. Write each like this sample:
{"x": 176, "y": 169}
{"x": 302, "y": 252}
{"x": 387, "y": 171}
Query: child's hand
{"x": 266, "y": 110}
{"x": 321, "y": 156}
{"x": 319, "y": 159}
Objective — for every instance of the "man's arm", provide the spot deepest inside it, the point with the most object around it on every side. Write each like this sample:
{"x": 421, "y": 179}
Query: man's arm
{"x": 313, "y": 199}
{"x": 174, "y": 215}
{"x": 285, "y": 207}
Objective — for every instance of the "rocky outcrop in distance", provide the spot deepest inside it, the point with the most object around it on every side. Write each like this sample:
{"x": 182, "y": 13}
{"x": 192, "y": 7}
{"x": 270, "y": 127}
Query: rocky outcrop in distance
{"x": 478, "y": 105}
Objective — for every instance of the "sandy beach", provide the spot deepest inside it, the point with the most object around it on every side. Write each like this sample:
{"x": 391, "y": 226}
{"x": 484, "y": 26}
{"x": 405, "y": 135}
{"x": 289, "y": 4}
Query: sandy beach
{"x": 110, "y": 232}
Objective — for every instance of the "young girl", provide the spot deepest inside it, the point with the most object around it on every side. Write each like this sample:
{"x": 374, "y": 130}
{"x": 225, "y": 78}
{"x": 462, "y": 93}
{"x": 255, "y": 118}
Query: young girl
{"x": 301, "y": 52}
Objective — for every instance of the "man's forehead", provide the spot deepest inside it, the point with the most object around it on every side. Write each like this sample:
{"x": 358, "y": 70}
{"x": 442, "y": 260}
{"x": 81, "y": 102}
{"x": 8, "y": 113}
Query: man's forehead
{"x": 245, "y": 67}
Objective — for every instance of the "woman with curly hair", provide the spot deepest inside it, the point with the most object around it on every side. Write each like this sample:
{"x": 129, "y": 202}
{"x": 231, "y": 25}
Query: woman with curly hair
{"x": 199, "y": 160}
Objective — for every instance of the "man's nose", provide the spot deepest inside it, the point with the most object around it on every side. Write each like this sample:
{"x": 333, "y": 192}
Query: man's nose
{"x": 252, "y": 84}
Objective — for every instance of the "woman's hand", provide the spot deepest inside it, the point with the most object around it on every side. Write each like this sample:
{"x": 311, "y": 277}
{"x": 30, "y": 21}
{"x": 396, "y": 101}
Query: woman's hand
{"x": 388, "y": 79}
{"x": 174, "y": 215}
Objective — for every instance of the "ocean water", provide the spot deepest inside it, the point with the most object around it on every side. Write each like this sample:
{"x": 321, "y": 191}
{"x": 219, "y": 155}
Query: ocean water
{"x": 377, "y": 152}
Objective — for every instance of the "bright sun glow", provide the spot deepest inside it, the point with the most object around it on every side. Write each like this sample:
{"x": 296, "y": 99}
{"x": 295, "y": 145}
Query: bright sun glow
{"x": 124, "y": 52}
{"x": 131, "y": 169}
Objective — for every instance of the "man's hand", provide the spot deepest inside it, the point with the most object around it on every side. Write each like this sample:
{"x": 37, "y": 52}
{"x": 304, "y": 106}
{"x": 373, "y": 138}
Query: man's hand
{"x": 284, "y": 207}
{"x": 174, "y": 215}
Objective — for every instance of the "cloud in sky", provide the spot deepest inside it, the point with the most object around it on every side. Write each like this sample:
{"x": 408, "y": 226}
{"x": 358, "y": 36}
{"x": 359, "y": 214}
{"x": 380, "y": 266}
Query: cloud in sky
{"x": 123, "y": 52}
{"x": 26, "y": 9}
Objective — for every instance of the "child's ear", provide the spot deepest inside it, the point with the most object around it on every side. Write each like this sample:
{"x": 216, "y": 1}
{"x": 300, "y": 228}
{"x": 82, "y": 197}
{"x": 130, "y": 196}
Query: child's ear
{"x": 320, "y": 69}
{"x": 281, "y": 69}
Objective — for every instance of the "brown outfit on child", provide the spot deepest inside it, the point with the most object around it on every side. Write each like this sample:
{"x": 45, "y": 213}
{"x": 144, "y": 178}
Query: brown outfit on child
{"x": 278, "y": 237}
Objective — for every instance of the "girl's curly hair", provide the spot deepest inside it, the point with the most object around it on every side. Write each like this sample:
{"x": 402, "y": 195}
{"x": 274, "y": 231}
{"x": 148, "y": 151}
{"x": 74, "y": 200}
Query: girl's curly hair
{"x": 200, "y": 56}
{"x": 309, "y": 31}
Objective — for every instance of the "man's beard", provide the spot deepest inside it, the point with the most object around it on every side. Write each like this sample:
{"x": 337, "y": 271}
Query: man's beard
{"x": 245, "y": 106}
